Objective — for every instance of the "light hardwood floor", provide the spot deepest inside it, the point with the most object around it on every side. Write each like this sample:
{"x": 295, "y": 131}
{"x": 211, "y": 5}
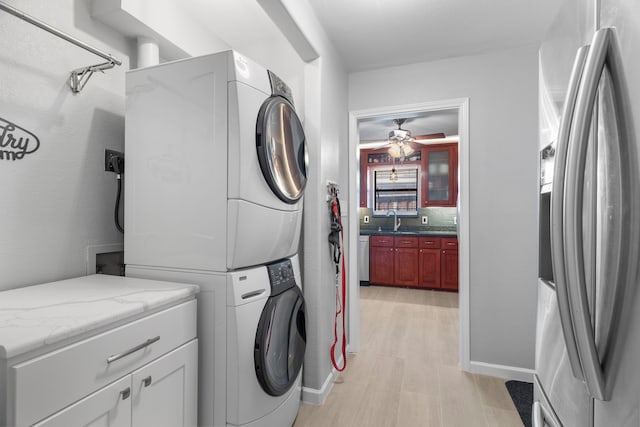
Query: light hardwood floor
{"x": 406, "y": 374}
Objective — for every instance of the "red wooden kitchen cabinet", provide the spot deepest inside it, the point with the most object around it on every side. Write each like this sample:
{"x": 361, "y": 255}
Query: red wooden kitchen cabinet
{"x": 429, "y": 263}
{"x": 425, "y": 262}
{"x": 406, "y": 263}
{"x": 381, "y": 260}
{"x": 439, "y": 175}
{"x": 449, "y": 260}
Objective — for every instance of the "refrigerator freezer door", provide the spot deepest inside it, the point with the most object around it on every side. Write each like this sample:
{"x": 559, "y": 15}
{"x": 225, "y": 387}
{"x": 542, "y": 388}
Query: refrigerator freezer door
{"x": 624, "y": 379}
{"x": 567, "y": 397}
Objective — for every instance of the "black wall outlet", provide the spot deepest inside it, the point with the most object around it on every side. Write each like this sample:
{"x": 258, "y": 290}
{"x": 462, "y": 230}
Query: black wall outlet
{"x": 110, "y": 165}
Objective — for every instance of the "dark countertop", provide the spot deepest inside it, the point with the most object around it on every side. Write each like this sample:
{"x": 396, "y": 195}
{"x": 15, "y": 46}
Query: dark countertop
{"x": 435, "y": 232}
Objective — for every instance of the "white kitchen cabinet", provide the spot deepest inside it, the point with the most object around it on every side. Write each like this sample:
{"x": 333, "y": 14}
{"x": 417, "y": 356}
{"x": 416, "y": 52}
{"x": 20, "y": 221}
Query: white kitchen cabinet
{"x": 164, "y": 393}
{"x": 131, "y": 359}
{"x": 161, "y": 394}
{"x": 108, "y": 407}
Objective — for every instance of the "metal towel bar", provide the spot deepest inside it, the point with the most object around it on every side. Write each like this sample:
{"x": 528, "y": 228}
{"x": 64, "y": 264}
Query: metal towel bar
{"x": 80, "y": 76}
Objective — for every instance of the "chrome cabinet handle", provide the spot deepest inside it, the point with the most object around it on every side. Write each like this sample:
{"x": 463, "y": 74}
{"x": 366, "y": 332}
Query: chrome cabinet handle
{"x": 604, "y": 52}
{"x": 557, "y": 213}
{"x": 139, "y": 347}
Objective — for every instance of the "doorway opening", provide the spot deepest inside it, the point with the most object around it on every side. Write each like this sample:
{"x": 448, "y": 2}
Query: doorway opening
{"x": 414, "y": 116}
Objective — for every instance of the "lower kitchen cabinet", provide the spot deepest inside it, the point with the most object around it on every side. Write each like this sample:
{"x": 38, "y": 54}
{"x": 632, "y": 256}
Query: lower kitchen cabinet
{"x": 381, "y": 260}
{"x": 393, "y": 260}
{"x": 429, "y": 271}
{"x": 449, "y": 270}
{"x": 139, "y": 374}
{"x": 110, "y": 406}
{"x": 424, "y": 262}
{"x": 162, "y": 394}
{"x": 406, "y": 266}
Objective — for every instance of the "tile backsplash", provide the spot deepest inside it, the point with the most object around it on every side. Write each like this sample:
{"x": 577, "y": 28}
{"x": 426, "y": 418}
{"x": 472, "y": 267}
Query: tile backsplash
{"x": 438, "y": 218}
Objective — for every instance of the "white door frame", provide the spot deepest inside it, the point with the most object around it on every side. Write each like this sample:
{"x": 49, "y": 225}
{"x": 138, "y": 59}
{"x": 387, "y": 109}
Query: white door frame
{"x": 462, "y": 105}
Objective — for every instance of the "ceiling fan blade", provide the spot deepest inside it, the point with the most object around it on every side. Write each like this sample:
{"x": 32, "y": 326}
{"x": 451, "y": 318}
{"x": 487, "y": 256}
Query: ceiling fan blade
{"x": 373, "y": 144}
{"x": 443, "y": 140}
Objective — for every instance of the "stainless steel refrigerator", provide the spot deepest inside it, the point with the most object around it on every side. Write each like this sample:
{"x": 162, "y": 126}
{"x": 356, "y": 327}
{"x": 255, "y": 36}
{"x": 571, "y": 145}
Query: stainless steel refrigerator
{"x": 588, "y": 325}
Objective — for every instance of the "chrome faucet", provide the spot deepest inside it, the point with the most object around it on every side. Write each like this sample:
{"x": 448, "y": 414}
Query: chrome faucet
{"x": 396, "y": 220}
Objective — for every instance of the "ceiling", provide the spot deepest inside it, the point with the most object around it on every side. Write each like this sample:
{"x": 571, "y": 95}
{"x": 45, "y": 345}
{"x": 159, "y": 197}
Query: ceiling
{"x": 371, "y": 34}
{"x": 377, "y": 129}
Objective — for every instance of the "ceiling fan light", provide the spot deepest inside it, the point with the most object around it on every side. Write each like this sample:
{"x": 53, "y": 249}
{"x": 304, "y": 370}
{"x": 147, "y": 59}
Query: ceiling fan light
{"x": 395, "y": 150}
{"x": 407, "y": 150}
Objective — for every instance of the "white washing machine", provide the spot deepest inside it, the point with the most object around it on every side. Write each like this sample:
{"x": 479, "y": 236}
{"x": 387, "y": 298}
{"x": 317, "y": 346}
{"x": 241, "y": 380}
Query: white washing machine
{"x": 215, "y": 165}
{"x": 266, "y": 341}
{"x": 251, "y": 332}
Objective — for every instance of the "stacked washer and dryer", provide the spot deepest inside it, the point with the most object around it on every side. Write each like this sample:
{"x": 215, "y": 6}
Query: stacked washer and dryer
{"x": 215, "y": 172}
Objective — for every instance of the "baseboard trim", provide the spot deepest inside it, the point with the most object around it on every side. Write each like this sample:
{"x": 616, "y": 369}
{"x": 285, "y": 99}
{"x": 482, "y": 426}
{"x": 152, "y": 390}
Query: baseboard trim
{"x": 315, "y": 396}
{"x": 502, "y": 371}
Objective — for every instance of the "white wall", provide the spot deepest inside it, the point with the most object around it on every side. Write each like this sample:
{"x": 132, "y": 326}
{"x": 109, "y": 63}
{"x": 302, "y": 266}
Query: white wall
{"x": 502, "y": 88}
{"x": 58, "y": 200}
{"x": 327, "y": 131}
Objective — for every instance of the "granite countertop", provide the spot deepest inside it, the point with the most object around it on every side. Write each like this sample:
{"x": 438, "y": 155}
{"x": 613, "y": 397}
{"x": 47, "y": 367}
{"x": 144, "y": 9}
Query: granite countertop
{"x": 36, "y": 316}
{"x": 435, "y": 231}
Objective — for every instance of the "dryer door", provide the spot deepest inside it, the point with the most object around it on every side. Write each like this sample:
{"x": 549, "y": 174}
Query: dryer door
{"x": 280, "y": 341}
{"x": 281, "y": 147}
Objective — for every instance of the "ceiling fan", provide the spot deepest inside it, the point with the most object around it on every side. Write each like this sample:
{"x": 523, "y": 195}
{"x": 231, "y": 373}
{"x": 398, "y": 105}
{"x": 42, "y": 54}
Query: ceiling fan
{"x": 399, "y": 140}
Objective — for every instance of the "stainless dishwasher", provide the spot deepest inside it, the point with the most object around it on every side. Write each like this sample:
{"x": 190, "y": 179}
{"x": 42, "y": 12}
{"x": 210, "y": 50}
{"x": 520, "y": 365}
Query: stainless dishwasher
{"x": 363, "y": 258}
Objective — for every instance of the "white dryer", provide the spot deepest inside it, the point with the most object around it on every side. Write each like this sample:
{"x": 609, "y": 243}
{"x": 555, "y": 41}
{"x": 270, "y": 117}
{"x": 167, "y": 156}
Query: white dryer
{"x": 215, "y": 165}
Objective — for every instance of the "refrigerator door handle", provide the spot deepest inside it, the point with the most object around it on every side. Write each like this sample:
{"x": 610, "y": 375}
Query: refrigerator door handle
{"x": 603, "y": 53}
{"x": 541, "y": 418}
{"x": 557, "y": 220}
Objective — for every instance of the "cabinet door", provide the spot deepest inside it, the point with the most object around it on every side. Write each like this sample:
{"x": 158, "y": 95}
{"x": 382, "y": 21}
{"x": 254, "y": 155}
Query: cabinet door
{"x": 429, "y": 271}
{"x": 439, "y": 184}
{"x": 406, "y": 267}
{"x": 107, "y": 407}
{"x": 164, "y": 392}
{"x": 449, "y": 269}
{"x": 364, "y": 173}
{"x": 381, "y": 265}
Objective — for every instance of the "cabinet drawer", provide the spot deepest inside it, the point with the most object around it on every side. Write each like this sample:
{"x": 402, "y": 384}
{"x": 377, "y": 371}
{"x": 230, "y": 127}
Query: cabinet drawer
{"x": 449, "y": 243}
{"x": 386, "y": 241}
{"x": 62, "y": 377}
{"x": 406, "y": 242}
{"x": 430, "y": 242}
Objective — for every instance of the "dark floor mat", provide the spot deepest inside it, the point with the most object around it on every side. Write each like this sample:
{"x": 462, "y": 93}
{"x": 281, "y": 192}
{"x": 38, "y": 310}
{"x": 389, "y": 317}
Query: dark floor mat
{"x": 522, "y": 396}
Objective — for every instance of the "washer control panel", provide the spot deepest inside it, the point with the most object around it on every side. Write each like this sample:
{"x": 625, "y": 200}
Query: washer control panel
{"x": 281, "y": 276}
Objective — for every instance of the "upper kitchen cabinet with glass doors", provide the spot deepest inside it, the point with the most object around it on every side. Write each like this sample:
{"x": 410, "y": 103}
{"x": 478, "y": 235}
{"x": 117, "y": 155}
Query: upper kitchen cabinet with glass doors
{"x": 440, "y": 175}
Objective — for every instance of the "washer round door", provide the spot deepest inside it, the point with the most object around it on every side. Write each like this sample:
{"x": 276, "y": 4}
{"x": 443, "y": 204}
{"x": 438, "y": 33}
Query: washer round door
{"x": 281, "y": 147}
{"x": 281, "y": 341}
